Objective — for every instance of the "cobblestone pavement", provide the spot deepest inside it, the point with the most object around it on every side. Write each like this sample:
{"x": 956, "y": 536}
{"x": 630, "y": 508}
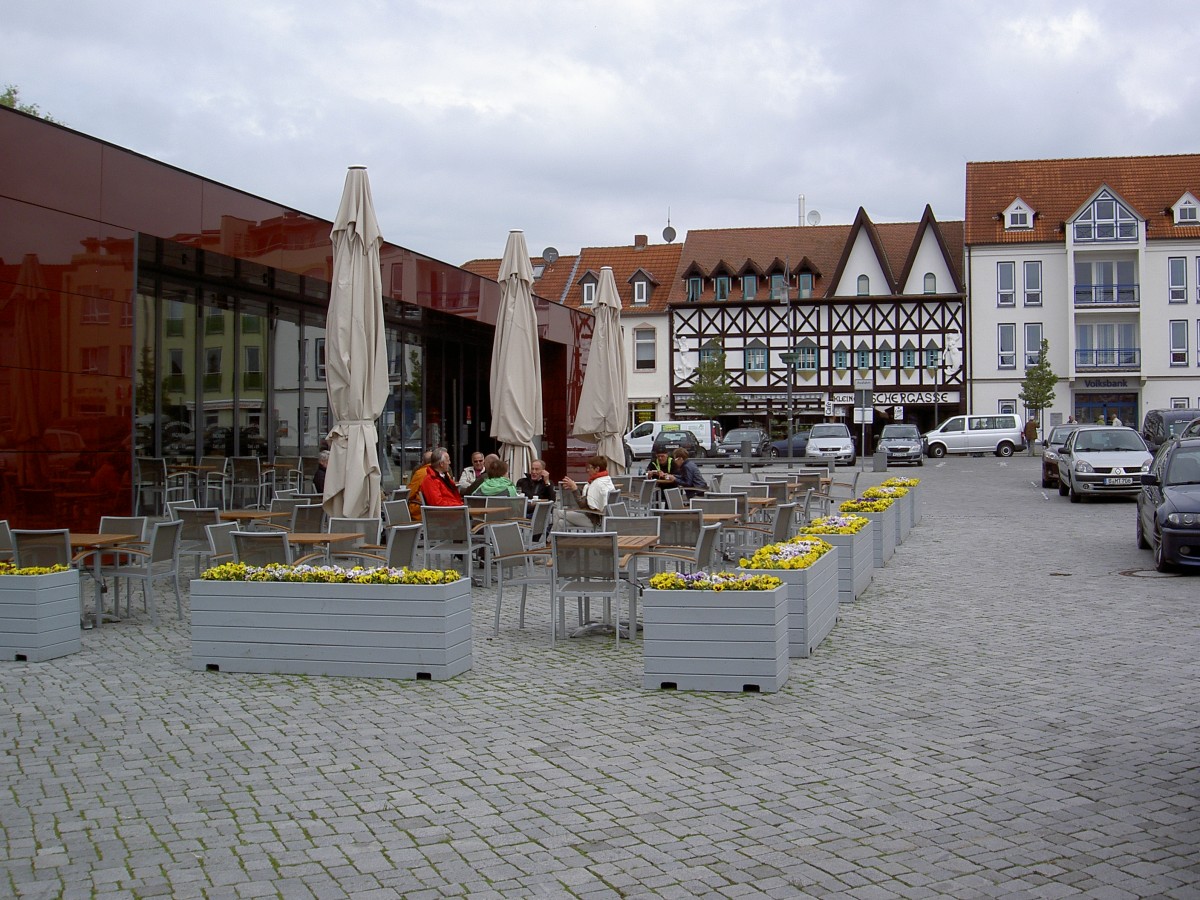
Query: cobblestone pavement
{"x": 1009, "y": 711}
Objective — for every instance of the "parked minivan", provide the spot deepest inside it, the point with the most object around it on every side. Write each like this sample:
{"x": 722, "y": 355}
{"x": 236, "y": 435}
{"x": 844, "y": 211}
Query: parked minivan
{"x": 641, "y": 438}
{"x": 1160, "y": 425}
{"x": 1001, "y": 433}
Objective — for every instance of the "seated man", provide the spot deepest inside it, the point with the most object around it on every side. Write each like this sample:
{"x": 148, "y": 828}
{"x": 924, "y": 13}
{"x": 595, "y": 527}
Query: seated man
{"x": 439, "y": 487}
{"x": 687, "y": 474}
{"x": 536, "y": 485}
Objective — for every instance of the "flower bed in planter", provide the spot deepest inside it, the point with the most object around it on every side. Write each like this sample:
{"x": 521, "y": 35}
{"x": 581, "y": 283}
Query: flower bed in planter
{"x": 914, "y": 492}
{"x": 39, "y": 613}
{"x": 854, "y": 538}
{"x": 881, "y": 514}
{"x": 808, "y": 567}
{"x": 376, "y": 623}
{"x": 901, "y": 504}
{"x": 727, "y": 632}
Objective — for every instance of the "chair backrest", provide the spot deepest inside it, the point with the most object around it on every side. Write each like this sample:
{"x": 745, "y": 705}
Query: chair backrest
{"x": 706, "y": 545}
{"x": 623, "y": 483}
{"x": 568, "y": 499}
{"x": 195, "y": 521}
{"x": 308, "y": 517}
{"x": 367, "y": 529}
{"x": 725, "y": 506}
{"x": 164, "y": 541}
{"x": 41, "y": 547}
{"x": 402, "y": 543}
{"x": 844, "y": 485}
{"x": 674, "y": 498}
{"x": 613, "y": 497}
{"x": 395, "y": 512}
{"x": 476, "y": 501}
{"x": 627, "y": 525}
{"x": 6, "y": 545}
{"x": 286, "y": 494}
{"x": 679, "y": 528}
{"x": 776, "y": 490}
{"x": 539, "y": 522}
{"x": 246, "y": 470}
{"x": 150, "y": 471}
{"x": 785, "y": 522}
{"x": 714, "y": 482}
{"x": 220, "y": 539}
{"x": 216, "y": 465}
{"x": 759, "y": 491}
{"x": 124, "y": 525}
{"x": 308, "y": 465}
{"x": 585, "y": 556}
{"x": 285, "y": 504}
{"x": 805, "y": 481}
{"x": 646, "y": 493}
{"x": 446, "y": 524}
{"x": 174, "y": 505}
{"x": 507, "y": 540}
{"x": 515, "y": 505}
{"x": 261, "y": 548}
{"x": 617, "y": 509}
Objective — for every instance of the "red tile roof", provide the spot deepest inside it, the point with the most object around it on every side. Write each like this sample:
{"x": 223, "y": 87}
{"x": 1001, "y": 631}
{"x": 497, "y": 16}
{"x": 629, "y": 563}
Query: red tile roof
{"x": 549, "y": 286}
{"x": 1056, "y": 188}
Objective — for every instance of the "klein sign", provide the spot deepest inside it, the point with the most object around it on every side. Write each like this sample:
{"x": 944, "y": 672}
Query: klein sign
{"x": 908, "y": 398}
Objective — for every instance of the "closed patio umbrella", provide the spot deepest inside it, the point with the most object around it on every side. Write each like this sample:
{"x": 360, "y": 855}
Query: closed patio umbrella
{"x": 604, "y": 400}
{"x": 355, "y": 354}
{"x": 516, "y": 374}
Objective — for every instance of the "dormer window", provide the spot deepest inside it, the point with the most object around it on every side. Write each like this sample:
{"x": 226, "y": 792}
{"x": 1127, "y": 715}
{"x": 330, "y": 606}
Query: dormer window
{"x": 589, "y": 293}
{"x": 695, "y": 285}
{"x": 538, "y": 270}
{"x": 749, "y": 286}
{"x": 1105, "y": 219}
{"x": 806, "y": 285}
{"x": 1018, "y": 216}
{"x": 721, "y": 283}
{"x": 778, "y": 289}
{"x": 1186, "y": 210}
{"x": 641, "y": 293}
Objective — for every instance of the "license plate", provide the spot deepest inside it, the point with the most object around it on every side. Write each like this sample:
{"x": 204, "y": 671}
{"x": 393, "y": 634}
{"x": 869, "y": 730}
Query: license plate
{"x": 1118, "y": 481}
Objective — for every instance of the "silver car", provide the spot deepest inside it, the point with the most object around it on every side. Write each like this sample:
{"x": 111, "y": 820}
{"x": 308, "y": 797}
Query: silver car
{"x": 832, "y": 439}
{"x": 1100, "y": 460}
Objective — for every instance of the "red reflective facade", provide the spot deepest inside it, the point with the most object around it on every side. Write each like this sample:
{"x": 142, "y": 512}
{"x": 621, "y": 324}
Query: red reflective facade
{"x": 94, "y": 244}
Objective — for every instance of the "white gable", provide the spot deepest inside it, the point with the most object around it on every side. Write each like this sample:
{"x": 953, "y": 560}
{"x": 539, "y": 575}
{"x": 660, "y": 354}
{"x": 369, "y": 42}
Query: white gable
{"x": 1186, "y": 210}
{"x": 862, "y": 261}
{"x": 929, "y": 259}
{"x": 1018, "y": 216}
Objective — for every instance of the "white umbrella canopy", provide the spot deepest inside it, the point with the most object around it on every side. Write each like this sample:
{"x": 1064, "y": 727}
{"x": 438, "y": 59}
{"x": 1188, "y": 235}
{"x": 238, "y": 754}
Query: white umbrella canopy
{"x": 516, "y": 374}
{"x": 355, "y": 354}
{"x": 604, "y": 400}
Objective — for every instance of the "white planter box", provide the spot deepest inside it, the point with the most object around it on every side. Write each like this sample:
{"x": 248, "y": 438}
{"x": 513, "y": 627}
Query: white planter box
{"x": 812, "y": 602}
{"x": 366, "y": 630}
{"x": 39, "y": 616}
{"x": 884, "y": 538}
{"x": 904, "y": 521}
{"x": 715, "y": 640}
{"x": 915, "y": 493}
{"x": 856, "y": 561}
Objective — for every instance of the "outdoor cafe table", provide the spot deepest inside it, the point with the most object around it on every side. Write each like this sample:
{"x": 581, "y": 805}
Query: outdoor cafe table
{"x": 316, "y": 538}
{"x": 95, "y": 544}
{"x": 628, "y": 546}
{"x": 244, "y": 516}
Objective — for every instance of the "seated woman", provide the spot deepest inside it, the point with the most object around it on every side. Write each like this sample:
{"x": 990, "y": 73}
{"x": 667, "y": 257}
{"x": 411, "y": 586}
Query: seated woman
{"x": 592, "y": 497}
{"x": 496, "y": 482}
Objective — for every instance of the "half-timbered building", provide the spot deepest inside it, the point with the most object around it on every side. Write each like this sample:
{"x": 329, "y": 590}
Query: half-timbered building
{"x": 802, "y": 314}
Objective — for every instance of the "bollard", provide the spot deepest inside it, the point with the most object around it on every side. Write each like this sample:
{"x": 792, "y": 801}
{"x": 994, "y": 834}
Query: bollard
{"x": 880, "y": 459}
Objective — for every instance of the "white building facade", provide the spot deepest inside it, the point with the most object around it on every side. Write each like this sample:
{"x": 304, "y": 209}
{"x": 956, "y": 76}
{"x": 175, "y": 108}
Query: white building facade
{"x": 1100, "y": 257}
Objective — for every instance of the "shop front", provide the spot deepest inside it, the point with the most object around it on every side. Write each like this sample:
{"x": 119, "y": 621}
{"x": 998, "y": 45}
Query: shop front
{"x": 1101, "y": 400}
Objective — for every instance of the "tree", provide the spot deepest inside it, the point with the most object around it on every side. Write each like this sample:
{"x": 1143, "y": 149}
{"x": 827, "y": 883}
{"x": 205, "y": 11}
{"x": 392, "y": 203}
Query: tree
{"x": 711, "y": 396}
{"x": 1037, "y": 390}
{"x": 11, "y": 97}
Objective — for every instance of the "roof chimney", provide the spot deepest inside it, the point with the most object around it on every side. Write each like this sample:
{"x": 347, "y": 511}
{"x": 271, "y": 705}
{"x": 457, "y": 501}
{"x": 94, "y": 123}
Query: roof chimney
{"x": 640, "y": 241}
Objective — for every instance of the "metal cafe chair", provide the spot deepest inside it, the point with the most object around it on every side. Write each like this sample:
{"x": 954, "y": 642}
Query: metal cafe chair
{"x": 448, "y": 534}
{"x": 585, "y": 565}
{"x": 261, "y": 548}
{"x": 518, "y": 565}
{"x": 161, "y": 560}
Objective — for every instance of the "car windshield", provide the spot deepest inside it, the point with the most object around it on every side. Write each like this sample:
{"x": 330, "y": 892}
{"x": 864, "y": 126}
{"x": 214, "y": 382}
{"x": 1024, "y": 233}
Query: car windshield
{"x": 1175, "y": 429}
{"x": 1099, "y": 441}
{"x": 1184, "y": 468}
{"x": 823, "y": 431}
{"x": 742, "y": 434}
{"x": 1060, "y": 433}
{"x": 900, "y": 431}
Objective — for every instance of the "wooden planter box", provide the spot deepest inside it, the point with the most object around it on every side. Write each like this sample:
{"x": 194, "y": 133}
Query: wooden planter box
{"x": 39, "y": 616}
{"x": 715, "y": 640}
{"x": 884, "y": 537}
{"x": 366, "y": 630}
{"x": 812, "y": 602}
{"x": 856, "y": 561}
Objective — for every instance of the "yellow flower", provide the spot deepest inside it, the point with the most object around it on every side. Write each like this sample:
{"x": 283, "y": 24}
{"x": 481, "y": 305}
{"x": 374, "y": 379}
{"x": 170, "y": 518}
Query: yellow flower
{"x": 7, "y": 568}
{"x": 330, "y": 574}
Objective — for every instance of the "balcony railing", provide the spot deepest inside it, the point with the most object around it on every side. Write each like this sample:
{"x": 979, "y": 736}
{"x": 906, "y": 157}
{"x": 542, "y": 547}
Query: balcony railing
{"x": 1107, "y": 295}
{"x": 1122, "y": 360}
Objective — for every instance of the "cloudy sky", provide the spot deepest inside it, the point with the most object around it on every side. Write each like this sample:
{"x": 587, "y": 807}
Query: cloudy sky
{"x": 583, "y": 123}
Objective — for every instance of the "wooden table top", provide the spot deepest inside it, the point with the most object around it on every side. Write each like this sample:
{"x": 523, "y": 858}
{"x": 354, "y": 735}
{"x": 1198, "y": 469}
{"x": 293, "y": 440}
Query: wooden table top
{"x": 249, "y": 515}
{"x": 84, "y": 539}
{"x": 636, "y": 541}
{"x": 321, "y": 537}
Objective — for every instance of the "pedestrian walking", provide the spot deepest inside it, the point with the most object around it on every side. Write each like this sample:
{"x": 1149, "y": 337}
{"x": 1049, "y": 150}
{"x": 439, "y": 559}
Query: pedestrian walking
{"x": 1031, "y": 433}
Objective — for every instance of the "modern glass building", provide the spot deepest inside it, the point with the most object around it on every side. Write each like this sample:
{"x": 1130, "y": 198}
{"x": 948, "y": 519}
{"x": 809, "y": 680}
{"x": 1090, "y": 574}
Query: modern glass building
{"x": 146, "y": 311}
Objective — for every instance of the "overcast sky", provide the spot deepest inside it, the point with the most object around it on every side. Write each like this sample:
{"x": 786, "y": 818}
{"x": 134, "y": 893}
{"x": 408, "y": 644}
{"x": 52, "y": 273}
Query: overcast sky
{"x": 582, "y": 123}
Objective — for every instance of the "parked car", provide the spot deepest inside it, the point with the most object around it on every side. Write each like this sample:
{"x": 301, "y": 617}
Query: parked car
{"x": 1168, "y": 506}
{"x": 1160, "y": 425}
{"x": 731, "y": 444}
{"x": 902, "y": 444}
{"x": 1051, "y": 445}
{"x": 641, "y": 438}
{"x": 832, "y": 439}
{"x": 669, "y": 441}
{"x": 1102, "y": 460}
{"x": 1000, "y": 433}
{"x": 1191, "y": 430}
{"x": 799, "y": 445}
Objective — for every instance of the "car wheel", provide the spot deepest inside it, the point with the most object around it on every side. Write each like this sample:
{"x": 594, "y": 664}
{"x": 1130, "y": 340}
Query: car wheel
{"x": 774, "y": 453}
{"x": 1142, "y": 543}
{"x": 1076, "y": 497}
{"x": 920, "y": 462}
{"x": 937, "y": 451}
{"x": 700, "y": 453}
{"x": 1062, "y": 488}
{"x": 1005, "y": 449}
{"x": 1160, "y": 557}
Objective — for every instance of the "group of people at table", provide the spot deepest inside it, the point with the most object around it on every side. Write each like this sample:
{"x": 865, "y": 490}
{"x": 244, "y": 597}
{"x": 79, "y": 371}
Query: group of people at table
{"x": 432, "y": 483}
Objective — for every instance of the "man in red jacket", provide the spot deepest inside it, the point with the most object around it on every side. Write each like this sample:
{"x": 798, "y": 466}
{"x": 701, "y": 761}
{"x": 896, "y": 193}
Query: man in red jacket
{"x": 439, "y": 488}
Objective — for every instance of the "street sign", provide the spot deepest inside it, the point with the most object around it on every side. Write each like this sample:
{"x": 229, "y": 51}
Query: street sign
{"x": 898, "y": 413}
{"x": 828, "y": 407}
{"x": 864, "y": 416}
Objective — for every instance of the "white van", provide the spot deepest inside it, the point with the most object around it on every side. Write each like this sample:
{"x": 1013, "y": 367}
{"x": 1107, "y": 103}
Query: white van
{"x": 642, "y": 437}
{"x": 1001, "y": 434}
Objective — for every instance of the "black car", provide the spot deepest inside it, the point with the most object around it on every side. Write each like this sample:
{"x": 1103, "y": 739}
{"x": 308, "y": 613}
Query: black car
{"x": 1168, "y": 506}
{"x": 731, "y": 444}
{"x": 667, "y": 441}
{"x": 799, "y": 445}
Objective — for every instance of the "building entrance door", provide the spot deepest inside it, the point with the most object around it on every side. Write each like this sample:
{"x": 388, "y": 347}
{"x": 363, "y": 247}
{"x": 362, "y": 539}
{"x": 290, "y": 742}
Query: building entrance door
{"x": 1096, "y": 408}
